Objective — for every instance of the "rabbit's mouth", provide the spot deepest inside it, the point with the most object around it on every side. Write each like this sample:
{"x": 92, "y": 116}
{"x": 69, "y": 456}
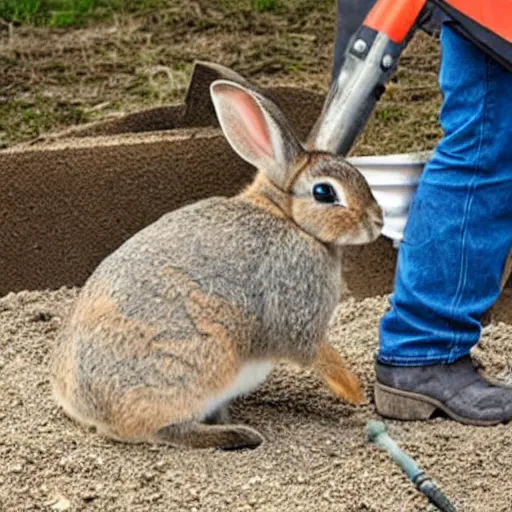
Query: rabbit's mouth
{"x": 377, "y": 229}
{"x": 368, "y": 230}
{"x": 376, "y": 223}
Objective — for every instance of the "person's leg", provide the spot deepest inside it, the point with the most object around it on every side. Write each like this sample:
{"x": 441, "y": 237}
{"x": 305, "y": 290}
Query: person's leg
{"x": 458, "y": 234}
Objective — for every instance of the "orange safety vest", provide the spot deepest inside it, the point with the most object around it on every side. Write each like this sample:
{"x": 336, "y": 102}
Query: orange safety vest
{"x": 488, "y": 23}
{"x": 494, "y": 15}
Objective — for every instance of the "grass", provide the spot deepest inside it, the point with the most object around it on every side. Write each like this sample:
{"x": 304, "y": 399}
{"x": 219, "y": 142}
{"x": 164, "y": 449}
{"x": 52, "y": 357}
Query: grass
{"x": 67, "y": 13}
{"x": 143, "y": 57}
{"x": 73, "y": 13}
{"x": 389, "y": 114}
{"x": 26, "y": 120}
{"x": 264, "y": 5}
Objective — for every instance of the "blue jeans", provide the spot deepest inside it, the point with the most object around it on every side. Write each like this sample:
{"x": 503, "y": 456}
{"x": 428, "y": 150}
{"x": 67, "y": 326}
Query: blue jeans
{"x": 459, "y": 230}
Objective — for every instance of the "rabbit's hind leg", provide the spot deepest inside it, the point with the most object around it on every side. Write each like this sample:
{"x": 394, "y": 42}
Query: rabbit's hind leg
{"x": 200, "y": 435}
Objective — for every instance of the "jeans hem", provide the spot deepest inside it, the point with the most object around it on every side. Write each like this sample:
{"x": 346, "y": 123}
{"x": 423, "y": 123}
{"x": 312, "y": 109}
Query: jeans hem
{"x": 419, "y": 360}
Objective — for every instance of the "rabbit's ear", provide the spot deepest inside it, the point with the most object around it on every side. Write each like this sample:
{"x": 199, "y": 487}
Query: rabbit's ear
{"x": 256, "y": 129}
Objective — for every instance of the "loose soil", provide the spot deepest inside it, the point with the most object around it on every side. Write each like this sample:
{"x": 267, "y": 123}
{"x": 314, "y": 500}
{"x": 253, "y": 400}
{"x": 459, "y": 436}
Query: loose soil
{"x": 315, "y": 456}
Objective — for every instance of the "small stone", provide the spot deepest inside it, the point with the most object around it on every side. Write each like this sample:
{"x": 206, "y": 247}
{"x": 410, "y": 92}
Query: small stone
{"x": 41, "y": 316}
{"x": 17, "y": 468}
{"x": 148, "y": 476}
{"x": 155, "y": 496}
{"x": 160, "y": 465}
{"x": 62, "y": 504}
{"x": 89, "y": 496}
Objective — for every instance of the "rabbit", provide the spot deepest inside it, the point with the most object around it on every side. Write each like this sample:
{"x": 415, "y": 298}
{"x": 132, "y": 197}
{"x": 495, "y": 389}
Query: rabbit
{"x": 196, "y": 309}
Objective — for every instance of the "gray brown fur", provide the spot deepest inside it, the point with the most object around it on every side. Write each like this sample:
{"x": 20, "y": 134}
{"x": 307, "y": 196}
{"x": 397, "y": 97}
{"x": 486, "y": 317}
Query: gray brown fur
{"x": 166, "y": 323}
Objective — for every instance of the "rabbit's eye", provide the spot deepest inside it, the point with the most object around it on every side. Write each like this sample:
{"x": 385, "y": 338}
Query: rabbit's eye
{"x": 324, "y": 193}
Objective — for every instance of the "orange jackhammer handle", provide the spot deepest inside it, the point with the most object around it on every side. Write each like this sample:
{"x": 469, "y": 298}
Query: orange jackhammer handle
{"x": 395, "y": 18}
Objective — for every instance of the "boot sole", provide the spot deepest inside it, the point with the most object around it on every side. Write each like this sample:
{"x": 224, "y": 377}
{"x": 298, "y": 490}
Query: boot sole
{"x": 405, "y": 405}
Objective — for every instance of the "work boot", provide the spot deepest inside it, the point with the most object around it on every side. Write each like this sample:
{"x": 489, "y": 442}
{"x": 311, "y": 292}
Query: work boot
{"x": 458, "y": 390}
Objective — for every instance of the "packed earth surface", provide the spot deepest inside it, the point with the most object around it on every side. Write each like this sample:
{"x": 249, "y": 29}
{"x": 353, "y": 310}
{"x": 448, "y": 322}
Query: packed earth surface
{"x": 316, "y": 455}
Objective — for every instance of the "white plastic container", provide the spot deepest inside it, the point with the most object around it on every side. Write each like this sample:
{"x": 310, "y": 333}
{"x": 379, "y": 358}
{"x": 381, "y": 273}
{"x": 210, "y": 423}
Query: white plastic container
{"x": 393, "y": 180}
